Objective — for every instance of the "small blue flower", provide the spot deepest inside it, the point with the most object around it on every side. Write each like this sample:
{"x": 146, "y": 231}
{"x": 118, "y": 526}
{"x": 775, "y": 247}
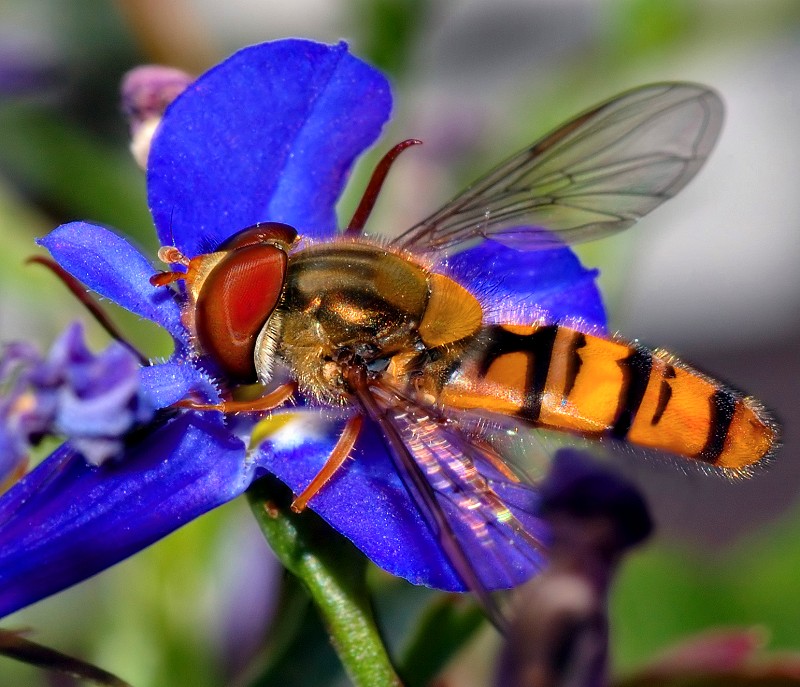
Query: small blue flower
{"x": 95, "y": 400}
{"x": 268, "y": 135}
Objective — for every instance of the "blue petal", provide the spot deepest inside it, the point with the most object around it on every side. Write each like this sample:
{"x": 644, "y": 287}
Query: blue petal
{"x": 367, "y": 503}
{"x": 522, "y": 286}
{"x": 166, "y": 383}
{"x": 113, "y": 268}
{"x": 67, "y": 520}
{"x": 269, "y": 134}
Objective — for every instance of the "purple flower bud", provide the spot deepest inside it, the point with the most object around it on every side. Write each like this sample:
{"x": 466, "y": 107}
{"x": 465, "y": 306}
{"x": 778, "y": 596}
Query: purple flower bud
{"x": 146, "y": 92}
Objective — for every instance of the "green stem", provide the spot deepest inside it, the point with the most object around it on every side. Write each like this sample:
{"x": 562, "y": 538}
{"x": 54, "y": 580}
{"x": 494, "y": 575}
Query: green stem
{"x": 333, "y": 571}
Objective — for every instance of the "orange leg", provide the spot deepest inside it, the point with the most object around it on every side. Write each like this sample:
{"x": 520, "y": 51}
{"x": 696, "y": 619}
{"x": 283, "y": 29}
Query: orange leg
{"x": 269, "y": 402}
{"x": 339, "y": 454}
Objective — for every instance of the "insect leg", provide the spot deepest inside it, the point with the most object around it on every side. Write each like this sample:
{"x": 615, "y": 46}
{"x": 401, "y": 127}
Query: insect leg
{"x": 339, "y": 454}
{"x": 270, "y": 401}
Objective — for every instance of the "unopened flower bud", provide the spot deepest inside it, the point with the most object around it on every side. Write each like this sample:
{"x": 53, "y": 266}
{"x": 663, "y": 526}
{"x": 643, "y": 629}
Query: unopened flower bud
{"x": 146, "y": 93}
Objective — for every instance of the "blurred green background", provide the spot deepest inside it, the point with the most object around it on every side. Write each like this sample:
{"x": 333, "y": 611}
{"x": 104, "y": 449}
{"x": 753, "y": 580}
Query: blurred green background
{"x": 712, "y": 276}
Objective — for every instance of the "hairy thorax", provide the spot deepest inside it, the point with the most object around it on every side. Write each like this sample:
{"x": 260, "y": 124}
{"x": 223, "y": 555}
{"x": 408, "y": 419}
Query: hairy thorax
{"x": 358, "y": 304}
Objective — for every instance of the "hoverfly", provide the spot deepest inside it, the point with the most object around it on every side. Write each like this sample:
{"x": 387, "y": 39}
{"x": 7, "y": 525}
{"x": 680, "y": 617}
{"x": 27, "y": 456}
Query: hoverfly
{"x": 366, "y": 325}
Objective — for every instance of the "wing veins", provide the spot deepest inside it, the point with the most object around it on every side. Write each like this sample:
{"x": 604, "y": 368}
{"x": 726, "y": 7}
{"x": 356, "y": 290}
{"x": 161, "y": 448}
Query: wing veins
{"x": 654, "y": 129}
{"x": 417, "y": 484}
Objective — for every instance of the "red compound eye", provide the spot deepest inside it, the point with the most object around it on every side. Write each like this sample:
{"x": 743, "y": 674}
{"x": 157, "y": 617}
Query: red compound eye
{"x": 236, "y": 300}
{"x": 263, "y": 232}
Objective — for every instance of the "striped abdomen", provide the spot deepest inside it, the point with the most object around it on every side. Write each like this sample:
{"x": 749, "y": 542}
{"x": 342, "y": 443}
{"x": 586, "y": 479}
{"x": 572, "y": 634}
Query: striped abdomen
{"x": 559, "y": 378}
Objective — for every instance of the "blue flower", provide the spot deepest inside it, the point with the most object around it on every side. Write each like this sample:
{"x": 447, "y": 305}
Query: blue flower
{"x": 268, "y": 135}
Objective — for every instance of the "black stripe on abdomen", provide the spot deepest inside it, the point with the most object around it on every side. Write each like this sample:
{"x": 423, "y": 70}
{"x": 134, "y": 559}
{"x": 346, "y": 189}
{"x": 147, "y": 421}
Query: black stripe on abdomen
{"x": 538, "y": 347}
{"x": 723, "y": 405}
{"x": 635, "y": 377}
{"x": 574, "y": 362}
{"x": 664, "y": 395}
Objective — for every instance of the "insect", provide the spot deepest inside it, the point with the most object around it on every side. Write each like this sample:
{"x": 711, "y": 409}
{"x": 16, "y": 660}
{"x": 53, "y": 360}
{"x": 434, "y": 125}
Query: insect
{"x": 365, "y": 325}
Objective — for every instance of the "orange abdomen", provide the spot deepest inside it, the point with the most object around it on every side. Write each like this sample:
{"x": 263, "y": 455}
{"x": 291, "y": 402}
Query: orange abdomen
{"x": 562, "y": 379}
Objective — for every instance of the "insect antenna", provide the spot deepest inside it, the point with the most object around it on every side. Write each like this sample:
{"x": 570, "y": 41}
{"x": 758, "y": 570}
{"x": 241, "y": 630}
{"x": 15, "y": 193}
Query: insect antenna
{"x": 79, "y": 291}
{"x": 364, "y": 208}
{"x": 171, "y": 232}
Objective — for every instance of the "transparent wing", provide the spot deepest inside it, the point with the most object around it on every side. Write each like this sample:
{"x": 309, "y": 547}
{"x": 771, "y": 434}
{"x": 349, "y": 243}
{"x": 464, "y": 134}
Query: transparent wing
{"x": 594, "y": 176}
{"x": 483, "y": 516}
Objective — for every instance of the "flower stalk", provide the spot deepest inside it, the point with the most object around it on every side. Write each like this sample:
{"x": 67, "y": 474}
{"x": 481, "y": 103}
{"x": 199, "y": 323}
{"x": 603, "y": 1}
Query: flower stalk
{"x": 334, "y": 573}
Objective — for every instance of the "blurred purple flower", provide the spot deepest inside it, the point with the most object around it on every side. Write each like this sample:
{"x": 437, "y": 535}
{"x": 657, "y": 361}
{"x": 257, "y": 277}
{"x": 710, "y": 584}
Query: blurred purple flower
{"x": 28, "y": 66}
{"x": 269, "y": 134}
{"x": 559, "y": 630}
{"x": 93, "y": 399}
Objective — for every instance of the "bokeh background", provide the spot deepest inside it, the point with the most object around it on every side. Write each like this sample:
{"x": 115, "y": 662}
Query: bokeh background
{"x": 712, "y": 276}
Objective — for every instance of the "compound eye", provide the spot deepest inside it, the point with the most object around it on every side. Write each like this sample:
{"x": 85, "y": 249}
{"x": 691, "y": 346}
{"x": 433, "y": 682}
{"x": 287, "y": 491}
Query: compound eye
{"x": 234, "y": 303}
{"x": 263, "y": 232}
